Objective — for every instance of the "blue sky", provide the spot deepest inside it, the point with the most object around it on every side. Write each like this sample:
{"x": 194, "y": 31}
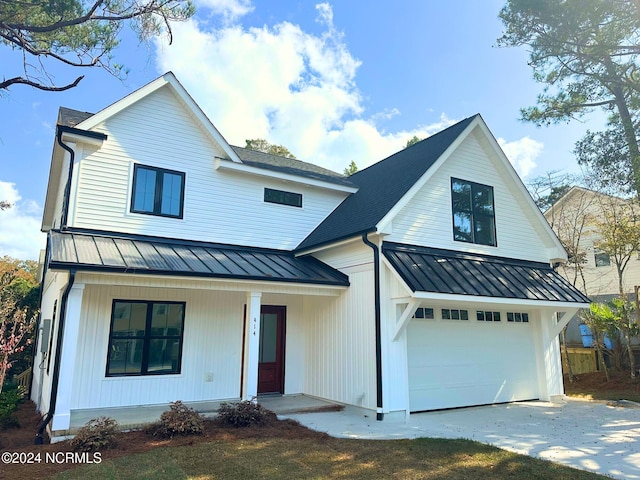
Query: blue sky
{"x": 334, "y": 82}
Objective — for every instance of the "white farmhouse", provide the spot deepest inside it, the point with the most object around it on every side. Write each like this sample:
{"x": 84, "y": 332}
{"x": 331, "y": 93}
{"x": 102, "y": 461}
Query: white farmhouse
{"x": 179, "y": 267}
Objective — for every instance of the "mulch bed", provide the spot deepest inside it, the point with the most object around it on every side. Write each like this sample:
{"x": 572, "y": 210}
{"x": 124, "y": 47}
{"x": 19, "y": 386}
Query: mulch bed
{"x": 22, "y": 439}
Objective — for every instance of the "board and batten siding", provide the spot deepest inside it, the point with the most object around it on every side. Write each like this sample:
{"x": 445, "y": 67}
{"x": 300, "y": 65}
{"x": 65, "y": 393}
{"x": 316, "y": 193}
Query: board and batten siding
{"x": 340, "y": 343}
{"x": 427, "y": 219}
{"x": 222, "y": 207}
{"x": 212, "y": 344}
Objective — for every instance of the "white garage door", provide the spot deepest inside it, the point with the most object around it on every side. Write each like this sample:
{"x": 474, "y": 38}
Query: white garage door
{"x": 457, "y": 363}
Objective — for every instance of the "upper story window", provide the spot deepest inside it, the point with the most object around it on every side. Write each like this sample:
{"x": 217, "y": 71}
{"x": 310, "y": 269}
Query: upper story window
{"x": 157, "y": 191}
{"x": 473, "y": 212}
{"x": 602, "y": 259}
{"x": 282, "y": 197}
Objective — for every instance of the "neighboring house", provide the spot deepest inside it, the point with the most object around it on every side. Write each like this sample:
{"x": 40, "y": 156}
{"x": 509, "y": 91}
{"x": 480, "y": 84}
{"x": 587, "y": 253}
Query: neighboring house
{"x": 574, "y": 218}
{"x": 179, "y": 267}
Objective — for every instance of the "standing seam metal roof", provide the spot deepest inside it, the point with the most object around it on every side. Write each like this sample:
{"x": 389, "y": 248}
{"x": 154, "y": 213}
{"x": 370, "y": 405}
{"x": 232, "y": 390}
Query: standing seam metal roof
{"x": 113, "y": 253}
{"x": 445, "y": 271}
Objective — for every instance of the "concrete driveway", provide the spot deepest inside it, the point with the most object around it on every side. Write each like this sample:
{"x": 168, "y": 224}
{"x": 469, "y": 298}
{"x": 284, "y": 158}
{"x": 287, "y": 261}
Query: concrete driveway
{"x": 586, "y": 435}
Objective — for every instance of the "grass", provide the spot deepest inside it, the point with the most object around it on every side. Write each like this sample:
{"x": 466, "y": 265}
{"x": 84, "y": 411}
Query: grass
{"x": 287, "y": 450}
{"x": 320, "y": 458}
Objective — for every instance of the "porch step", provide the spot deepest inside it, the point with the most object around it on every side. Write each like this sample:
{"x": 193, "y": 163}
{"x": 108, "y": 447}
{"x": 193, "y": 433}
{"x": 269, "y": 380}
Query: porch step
{"x": 289, "y": 404}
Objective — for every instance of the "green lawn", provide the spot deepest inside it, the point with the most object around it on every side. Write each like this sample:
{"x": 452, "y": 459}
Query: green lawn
{"x": 320, "y": 458}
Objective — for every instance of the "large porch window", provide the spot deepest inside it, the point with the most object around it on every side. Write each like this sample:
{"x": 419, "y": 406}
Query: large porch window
{"x": 145, "y": 338}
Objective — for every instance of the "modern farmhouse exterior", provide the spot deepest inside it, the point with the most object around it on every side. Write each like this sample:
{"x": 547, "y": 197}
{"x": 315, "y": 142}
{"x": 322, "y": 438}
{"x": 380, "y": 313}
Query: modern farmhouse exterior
{"x": 179, "y": 267}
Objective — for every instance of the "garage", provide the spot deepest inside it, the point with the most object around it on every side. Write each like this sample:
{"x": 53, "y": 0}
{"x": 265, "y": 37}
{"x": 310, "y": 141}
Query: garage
{"x": 464, "y": 357}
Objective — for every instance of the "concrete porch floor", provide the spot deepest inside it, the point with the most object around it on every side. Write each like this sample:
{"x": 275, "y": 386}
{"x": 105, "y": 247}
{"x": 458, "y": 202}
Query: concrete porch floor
{"x": 140, "y": 415}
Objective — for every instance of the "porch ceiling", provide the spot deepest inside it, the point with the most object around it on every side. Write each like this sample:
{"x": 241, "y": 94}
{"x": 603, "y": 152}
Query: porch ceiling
{"x": 147, "y": 255}
{"x": 456, "y": 273}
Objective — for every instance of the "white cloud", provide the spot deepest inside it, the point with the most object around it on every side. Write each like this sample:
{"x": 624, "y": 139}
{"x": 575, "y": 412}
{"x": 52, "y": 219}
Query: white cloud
{"x": 286, "y": 85}
{"x": 20, "y": 235}
{"x": 230, "y": 10}
{"x": 522, "y": 153}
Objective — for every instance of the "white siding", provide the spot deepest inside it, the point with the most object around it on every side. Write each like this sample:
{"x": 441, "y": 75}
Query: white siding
{"x": 53, "y": 286}
{"x": 218, "y": 206}
{"x": 339, "y": 338}
{"x": 427, "y": 219}
{"x": 212, "y": 344}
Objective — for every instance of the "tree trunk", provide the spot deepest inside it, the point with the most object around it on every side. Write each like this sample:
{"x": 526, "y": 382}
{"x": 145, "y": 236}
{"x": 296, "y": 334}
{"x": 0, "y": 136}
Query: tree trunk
{"x": 567, "y": 359}
{"x": 599, "y": 353}
{"x": 627, "y": 122}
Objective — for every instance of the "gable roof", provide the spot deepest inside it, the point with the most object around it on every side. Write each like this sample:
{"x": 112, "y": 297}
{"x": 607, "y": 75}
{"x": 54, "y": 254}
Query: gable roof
{"x": 68, "y": 117}
{"x": 166, "y": 80}
{"x": 381, "y": 186}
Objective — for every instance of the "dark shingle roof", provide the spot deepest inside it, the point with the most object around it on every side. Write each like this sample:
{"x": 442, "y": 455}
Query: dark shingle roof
{"x": 70, "y": 118}
{"x": 289, "y": 165}
{"x": 132, "y": 254}
{"x": 381, "y": 186}
{"x": 444, "y": 271}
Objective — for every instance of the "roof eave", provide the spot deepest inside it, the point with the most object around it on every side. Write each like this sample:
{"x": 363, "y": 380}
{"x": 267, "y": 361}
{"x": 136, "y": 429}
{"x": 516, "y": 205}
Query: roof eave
{"x": 64, "y": 266}
{"x": 225, "y": 165}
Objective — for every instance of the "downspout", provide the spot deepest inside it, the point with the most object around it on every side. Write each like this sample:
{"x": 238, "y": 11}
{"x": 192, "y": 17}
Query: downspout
{"x": 376, "y": 274}
{"x": 34, "y": 349}
{"x": 67, "y": 188}
{"x": 56, "y": 365}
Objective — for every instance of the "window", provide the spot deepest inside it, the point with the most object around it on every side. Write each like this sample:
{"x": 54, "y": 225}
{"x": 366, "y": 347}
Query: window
{"x": 473, "y": 212}
{"x": 517, "y": 317}
{"x": 454, "y": 314}
{"x": 157, "y": 192}
{"x": 282, "y": 197}
{"x": 426, "y": 313}
{"x": 145, "y": 338}
{"x": 487, "y": 316}
{"x": 602, "y": 259}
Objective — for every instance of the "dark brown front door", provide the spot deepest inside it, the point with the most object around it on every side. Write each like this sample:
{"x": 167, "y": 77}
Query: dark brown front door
{"x": 271, "y": 356}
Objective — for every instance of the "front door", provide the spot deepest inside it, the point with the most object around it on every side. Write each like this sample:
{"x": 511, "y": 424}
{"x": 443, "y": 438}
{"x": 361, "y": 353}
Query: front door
{"x": 271, "y": 356}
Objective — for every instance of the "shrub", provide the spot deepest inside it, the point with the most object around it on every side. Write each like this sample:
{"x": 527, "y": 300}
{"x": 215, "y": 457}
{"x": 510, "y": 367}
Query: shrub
{"x": 9, "y": 400}
{"x": 179, "y": 420}
{"x": 244, "y": 414}
{"x": 96, "y": 434}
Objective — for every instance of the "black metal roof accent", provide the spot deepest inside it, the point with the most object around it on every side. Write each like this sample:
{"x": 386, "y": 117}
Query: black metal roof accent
{"x": 381, "y": 186}
{"x": 159, "y": 256}
{"x": 445, "y": 271}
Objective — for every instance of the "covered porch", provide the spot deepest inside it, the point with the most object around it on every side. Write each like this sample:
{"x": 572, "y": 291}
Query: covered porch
{"x": 237, "y": 329}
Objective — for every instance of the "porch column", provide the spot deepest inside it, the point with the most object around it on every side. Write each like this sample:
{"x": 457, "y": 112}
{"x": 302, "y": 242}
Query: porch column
{"x": 252, "y": 346}
{"x": 553, "y": 388}
{"x": 62, "y": 416}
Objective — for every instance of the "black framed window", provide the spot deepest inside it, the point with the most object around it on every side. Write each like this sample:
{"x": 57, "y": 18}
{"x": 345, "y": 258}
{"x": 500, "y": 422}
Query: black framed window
{"x": 157, "y": 191}
{"x": 283, "y": 198}
{"x": 145, "y": 338}
{"x": 454, "y": 314}
{"x": 602, "y": 259}
{"x": 473, "y": 212}
{"x": 518, "y": 317}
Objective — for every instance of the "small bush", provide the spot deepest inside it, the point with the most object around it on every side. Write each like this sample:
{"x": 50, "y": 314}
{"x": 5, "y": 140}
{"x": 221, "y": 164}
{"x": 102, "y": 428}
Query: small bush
{"x": 96, "y": 434}
{"x": 244, "y": 414}
{"x": 9, "y": 400}
{"x": 179, "y": 420}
